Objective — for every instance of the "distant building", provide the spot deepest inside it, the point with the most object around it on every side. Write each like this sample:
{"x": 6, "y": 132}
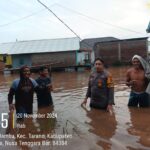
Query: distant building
{"x": 88, "y": 45}
{"x": 121, "y": 50}
{"x": 64, "y": 52}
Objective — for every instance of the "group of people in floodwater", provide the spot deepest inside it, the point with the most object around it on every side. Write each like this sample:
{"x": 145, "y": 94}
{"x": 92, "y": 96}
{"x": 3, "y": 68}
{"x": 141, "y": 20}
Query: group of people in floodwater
{"x": 24, "y": 87}
{"x": 100, "y": 87}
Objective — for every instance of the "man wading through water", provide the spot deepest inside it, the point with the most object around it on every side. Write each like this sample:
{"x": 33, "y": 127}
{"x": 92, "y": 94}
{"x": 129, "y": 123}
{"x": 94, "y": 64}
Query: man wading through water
{"x": 137, "y": 78}
{"x": 23, "y": 89}
{"x": 44, "y": 97}
{"x": 100, "y": 87}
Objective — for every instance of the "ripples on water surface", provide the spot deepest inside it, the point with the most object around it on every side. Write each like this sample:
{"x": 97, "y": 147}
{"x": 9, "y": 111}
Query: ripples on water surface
{"x": 126, "y": 128}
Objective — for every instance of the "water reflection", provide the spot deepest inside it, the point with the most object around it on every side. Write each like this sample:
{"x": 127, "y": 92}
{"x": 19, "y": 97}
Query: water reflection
{"x": 47, "y": 123}
{"x": 140, "y": 127}
{"x": 103, "y": 125}
{"x": 33, "y": 132}
{"x": 127, "y": 128}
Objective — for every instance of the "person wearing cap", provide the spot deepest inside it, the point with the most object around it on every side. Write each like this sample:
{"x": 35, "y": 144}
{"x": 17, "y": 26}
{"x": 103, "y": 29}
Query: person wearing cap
{"x": 137, "y": 78}
{"x": 100, "y": 87}
{"x": 23, "y": 88}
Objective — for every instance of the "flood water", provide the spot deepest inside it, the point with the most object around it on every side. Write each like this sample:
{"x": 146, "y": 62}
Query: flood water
{"x": 85, "y": 129}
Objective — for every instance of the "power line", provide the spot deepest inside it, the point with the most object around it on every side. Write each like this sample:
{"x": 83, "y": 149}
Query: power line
{"x": 92, "y": 18}
{"x": 32, "y": 14}
{"x": 23, "y": 18}
{"x": 64, "y": 23}
{"x": 72, "y": 10}
{"x": 59, "y": 19}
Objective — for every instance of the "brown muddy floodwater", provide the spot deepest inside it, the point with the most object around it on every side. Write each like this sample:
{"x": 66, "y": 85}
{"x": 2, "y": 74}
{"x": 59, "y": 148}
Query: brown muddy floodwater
{"x": 69, "y": 126}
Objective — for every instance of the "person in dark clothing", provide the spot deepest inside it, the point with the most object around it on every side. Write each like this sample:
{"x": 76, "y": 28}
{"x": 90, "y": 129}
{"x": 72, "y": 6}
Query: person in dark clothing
{"x": 44, "y": 97}
{"x": 100, "y": 87}
{"x": 23, "y": 89}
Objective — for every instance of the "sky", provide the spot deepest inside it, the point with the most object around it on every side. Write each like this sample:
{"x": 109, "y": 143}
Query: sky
{"x": 28, "y": 20}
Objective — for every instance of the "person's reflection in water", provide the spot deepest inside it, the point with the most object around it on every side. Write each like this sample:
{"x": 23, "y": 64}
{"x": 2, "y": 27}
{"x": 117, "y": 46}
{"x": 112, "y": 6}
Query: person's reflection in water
{"x": 47, "y": 123}
{"x": 41, "y": 126}
{"x": 22, "y": 131}
{"x": 103, "y": 125}
{"x": 140, "y": 125}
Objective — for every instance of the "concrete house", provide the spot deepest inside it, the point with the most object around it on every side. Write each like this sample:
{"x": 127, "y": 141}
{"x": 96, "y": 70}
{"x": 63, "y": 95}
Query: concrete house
{"x": 121, "y": 50}
{"x": 88, "y": 46}
{"x": 2, "y": 66}
{"x": 57, "y": 52}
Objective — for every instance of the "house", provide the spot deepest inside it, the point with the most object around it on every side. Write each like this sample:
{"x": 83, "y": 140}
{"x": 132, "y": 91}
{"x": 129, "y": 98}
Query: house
{"x": 121, "y": 50}
{"x": 63, "y": 52}
{"x": 88, "y": 45}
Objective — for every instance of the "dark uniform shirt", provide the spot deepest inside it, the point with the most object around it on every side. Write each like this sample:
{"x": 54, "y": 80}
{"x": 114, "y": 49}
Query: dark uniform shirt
{"x": 100, "y": 89}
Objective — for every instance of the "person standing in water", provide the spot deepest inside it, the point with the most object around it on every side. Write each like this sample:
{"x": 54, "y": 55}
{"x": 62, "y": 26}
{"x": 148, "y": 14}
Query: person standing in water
{"x": 44, "y": 97}
{"x": 138, "y": 81}
{"x": 23, "y": 88}
{"x": 100, "y": 87}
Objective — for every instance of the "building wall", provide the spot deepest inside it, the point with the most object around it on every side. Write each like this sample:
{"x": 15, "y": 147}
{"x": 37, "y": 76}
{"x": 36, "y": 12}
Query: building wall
{"x": 59, "y": 59}
{"x": 122, "y": 51}
{"x": 92, "y": 56}
{"x": 20, "y": 60}
{"x": 2, "y": 66}
{"x": 107, "y": 51}
{"x": 6, "y": 59}
{"x": 83, "y": 58}
{"x": 1, "y": 57}
{"x": 80, "y": 58}
{"x": 129, "y": 49}
{"x": 149, "y": 46}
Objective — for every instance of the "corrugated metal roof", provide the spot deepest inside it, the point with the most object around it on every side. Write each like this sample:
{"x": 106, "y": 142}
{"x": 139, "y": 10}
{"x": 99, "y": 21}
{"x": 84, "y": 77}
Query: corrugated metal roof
{"x": 5, "y": 48}
{"x": 89, "y": 43}
{"x": 40, "y": 46}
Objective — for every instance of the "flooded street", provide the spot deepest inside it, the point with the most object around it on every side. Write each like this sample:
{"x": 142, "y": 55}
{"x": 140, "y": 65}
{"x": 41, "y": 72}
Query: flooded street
{"x": 85, "y": 129}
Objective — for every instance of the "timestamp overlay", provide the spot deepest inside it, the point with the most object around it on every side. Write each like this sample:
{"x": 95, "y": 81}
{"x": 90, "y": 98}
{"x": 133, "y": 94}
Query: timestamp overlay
{"x": 37, "y": 130}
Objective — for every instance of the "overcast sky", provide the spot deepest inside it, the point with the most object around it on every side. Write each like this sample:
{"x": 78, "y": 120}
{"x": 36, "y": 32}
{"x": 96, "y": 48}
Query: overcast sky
{"x": 29, "y": 20}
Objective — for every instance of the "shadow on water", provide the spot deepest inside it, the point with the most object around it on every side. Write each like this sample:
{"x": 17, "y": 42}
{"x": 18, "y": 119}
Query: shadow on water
{"x": 126, "y": 128}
